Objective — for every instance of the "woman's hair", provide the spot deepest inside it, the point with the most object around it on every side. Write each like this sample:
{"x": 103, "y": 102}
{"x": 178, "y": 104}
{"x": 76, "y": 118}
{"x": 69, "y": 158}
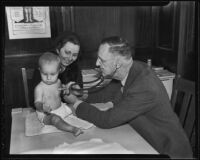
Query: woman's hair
{"x": 67, "y": 36}
{"x": 48, "y": 57}
{"x": 62, "y": 40}
{"x": 118, "y": 45}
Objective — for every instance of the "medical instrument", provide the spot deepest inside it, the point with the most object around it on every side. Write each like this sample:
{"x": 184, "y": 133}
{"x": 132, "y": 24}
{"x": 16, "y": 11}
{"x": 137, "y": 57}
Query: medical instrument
{"x": 97, "y": 84}
{"x": 93, "y": 85}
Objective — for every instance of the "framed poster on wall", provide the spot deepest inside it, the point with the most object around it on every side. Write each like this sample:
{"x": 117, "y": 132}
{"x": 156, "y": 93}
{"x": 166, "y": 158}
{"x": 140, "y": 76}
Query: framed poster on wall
{"x": 28, "y": 22}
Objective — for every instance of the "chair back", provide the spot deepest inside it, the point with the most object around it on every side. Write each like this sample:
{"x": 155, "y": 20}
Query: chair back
{"x": 183, "y": 103}
{"x": 27, "y": 75}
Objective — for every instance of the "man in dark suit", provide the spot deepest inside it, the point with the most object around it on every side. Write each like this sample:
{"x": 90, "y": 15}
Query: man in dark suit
{"x": 144, "y": 103}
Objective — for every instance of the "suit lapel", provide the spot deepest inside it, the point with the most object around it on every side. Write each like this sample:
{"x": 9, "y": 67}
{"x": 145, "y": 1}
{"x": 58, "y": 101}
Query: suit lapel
{"x": 130, "y": 77}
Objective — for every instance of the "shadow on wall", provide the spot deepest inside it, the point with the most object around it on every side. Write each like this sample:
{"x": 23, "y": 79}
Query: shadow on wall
{"x": 88, "y": 59}
{"x": 169, "y": 63}
{"x": 143, "y": 54}
{"x": 159, "y": 58}
{"x": 190, "y": 70}
{"x": 166, "y": 59}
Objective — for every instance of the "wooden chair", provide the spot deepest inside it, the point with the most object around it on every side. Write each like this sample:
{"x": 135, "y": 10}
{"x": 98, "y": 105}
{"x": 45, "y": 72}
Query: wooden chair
{"x": 27, "y": 75}
{"x": 183, "y": 103}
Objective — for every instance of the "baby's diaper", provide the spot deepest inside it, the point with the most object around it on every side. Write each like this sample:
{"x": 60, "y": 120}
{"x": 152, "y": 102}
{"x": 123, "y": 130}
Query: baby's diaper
{"x": 63, "y": 111}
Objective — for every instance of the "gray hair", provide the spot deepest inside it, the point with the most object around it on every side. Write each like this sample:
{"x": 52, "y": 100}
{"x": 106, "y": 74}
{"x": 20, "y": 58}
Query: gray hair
{"x": 118, "y": 45}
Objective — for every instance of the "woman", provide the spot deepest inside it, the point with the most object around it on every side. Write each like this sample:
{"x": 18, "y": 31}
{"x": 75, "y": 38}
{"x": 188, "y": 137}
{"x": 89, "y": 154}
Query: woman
{"x": 68, "y": 49}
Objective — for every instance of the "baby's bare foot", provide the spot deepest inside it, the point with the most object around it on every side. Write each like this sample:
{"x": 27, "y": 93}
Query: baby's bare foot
{"x": 77, "y": 132}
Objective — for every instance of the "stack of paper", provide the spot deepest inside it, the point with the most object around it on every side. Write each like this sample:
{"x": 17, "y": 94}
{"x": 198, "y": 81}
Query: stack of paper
{"x": 165, "y": 73}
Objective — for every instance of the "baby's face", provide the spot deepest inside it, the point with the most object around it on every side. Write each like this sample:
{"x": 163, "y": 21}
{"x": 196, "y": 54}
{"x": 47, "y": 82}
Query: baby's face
{"x": 49, "y": 72}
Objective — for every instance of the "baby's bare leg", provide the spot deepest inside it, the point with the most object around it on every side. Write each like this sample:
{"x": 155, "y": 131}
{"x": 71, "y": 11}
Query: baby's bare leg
{"x": 59, "y": 123}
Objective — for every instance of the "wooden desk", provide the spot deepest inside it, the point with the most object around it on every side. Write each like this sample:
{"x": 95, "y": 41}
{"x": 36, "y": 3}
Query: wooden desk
{"x": 124, "y": 135}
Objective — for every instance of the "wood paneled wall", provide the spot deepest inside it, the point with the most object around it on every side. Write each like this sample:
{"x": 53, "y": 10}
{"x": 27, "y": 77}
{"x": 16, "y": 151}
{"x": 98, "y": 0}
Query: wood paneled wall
{"x": 95, "y": 23}
{"x": 165, "y": 50}
{"x": 186, "y": 47}
{"x": 91, "y": 24}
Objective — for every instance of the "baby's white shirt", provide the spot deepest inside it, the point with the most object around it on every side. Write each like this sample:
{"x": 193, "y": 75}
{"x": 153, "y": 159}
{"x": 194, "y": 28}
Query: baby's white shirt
{"x": 48, "y": 94}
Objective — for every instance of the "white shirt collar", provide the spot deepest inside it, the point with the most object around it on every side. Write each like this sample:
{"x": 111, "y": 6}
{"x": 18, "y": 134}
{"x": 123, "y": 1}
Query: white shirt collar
{"x": 124, "y": 80}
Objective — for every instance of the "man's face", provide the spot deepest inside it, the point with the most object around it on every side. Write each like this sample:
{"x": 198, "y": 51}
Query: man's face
{"x": 106, "y": 61}
{"x": 49, "y": 72}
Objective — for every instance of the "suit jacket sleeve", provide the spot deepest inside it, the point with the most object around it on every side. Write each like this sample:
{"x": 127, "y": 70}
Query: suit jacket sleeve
{"x": 136, "y": 100}
{"x": 108, "y": 93}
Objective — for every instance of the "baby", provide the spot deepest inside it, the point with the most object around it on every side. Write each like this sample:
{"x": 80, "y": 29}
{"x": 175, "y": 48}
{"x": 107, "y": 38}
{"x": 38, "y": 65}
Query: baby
{"x": 47, "y": 100}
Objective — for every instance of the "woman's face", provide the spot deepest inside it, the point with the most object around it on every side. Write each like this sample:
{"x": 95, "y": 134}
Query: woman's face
{"x": 68, "y": 53}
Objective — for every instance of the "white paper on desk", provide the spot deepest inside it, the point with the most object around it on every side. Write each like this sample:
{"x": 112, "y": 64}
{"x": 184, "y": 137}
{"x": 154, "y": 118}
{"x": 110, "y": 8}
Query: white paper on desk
{"x": 34, "y": 127}
{"x": 92, "y": 146}
{"x": 72, "y": 120}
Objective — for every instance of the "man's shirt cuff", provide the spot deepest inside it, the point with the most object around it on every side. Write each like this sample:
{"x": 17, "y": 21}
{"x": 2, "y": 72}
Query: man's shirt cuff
{"x": 76, "y": 104}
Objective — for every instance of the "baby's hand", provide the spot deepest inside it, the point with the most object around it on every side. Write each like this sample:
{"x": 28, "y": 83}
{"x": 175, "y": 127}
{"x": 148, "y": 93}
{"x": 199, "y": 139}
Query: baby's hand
{"x": 47, "y": 108}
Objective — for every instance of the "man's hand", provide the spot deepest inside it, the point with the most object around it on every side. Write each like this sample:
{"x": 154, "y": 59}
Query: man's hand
{"x": 71, "y": 99}
{"x": 72, "y": 96}
{"x": 76, "y": 92}
{"x": 67, "y": 89}
{"x": 84, "y": 96}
